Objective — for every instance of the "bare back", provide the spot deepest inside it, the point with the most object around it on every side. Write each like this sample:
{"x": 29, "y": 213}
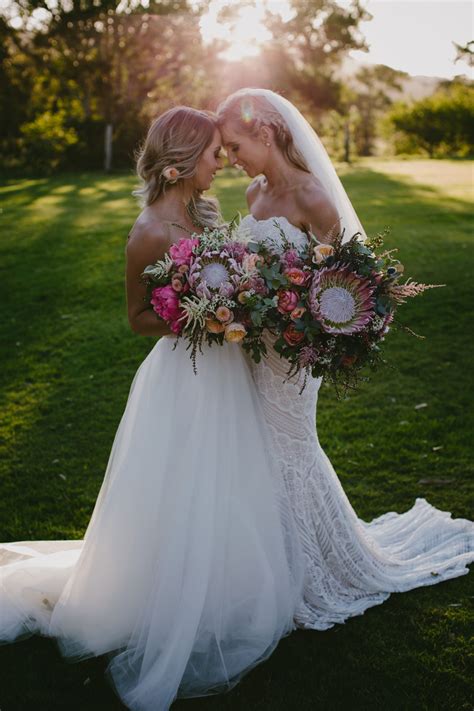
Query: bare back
{"x": 149, "y": 239}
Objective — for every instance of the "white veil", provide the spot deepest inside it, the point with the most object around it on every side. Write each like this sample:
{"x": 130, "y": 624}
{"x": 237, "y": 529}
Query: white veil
{"x": 309, "y": 144}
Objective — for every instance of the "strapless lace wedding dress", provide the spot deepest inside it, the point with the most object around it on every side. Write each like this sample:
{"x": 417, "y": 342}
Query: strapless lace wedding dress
{"x": 350, "y": 564}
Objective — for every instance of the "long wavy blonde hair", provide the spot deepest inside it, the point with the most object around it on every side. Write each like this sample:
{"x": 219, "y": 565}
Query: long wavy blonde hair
{"x": 248, "y": 113}
{"x": 176, "y": 140}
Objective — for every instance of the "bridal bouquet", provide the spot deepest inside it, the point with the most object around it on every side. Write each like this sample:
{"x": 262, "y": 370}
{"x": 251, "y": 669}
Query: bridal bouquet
{"x": 334, "y": 304}
{"x": 208, "y": 288}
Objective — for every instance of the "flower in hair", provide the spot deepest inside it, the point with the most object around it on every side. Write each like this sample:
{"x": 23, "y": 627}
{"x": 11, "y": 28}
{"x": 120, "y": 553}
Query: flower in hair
{"x": 170, "y": 174}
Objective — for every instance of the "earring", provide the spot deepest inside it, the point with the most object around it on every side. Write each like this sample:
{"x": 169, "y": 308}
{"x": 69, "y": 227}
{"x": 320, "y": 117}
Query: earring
{"x": 267, "y": 143}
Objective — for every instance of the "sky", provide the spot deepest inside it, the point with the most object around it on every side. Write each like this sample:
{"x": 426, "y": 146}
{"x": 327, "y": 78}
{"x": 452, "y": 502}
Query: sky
{"x": 415, "y": 36}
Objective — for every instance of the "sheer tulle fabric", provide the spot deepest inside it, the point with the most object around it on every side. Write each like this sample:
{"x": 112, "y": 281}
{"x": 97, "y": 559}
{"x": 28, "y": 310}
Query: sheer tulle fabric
{"x": 190, "y": 569}
{"x": 350, "y": 564}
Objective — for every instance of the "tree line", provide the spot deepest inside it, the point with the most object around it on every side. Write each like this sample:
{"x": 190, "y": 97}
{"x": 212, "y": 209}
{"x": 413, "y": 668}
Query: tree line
{"x": 81, "y": 79}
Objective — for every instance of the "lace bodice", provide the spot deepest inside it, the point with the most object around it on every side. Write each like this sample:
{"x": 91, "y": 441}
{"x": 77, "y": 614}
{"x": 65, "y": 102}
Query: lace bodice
{"x": 267, "y": 230}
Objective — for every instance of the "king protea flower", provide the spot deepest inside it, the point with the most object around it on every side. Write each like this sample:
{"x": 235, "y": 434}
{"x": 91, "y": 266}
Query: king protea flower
{"x": 341, "y": 300}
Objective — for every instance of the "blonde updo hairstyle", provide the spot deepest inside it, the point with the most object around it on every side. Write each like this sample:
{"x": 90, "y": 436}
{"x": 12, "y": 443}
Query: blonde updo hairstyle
{"x": 170, "y": 154}
{"x": 248, "y": 113}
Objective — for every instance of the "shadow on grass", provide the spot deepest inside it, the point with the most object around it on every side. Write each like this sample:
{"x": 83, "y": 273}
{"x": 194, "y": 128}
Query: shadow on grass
{"x": 64, "y": 387}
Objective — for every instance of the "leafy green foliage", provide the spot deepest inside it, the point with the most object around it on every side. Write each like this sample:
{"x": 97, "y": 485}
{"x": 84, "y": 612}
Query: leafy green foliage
{"x": 441, "y": 125}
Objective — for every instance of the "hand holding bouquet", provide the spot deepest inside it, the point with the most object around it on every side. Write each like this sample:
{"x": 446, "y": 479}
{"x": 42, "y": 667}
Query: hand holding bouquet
{"x": 208, "y": 288}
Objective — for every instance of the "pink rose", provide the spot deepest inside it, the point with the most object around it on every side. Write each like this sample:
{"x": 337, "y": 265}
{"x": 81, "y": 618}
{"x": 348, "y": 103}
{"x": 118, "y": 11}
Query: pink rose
{"x": 165, "y": 302}
{"x": 287, "y": 300}
{"x": 182, "y": 252}
{"x": 295, "y": 276}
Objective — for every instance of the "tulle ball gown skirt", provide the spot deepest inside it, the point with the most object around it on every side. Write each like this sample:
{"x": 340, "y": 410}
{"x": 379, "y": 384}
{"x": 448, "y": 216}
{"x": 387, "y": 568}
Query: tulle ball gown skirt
{"x": 190, "y": 569}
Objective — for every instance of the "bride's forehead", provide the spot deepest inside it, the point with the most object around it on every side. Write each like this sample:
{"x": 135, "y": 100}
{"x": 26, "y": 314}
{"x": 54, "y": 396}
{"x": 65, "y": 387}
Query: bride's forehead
{"x": 230, "y": 133}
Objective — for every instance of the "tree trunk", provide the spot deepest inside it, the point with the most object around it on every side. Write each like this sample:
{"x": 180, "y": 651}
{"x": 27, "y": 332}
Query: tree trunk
{"x": 108, "y": 147}
{"x": 347, "y": 143}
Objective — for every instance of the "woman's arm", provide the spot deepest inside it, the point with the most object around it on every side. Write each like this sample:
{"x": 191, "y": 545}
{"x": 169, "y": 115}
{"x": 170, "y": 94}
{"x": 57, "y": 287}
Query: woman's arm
{"x": 143, "y": 248}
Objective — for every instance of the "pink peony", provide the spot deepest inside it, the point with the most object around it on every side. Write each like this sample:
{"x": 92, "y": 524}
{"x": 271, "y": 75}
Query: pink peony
{"x": 287, "y": 300}
{"x": 165, "y": 302}
{"x": 182, "y": 252}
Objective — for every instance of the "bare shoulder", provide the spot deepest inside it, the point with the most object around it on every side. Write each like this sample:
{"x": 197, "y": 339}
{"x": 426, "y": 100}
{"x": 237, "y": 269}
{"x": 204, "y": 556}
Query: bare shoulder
{"x": 148, "y": 240}
{"x": 253, "y": 190}
{"x": 317, "y": 210}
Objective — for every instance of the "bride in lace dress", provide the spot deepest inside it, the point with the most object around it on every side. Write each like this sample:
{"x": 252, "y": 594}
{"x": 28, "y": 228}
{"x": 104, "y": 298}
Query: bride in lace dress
{"x": 350, "y": 564}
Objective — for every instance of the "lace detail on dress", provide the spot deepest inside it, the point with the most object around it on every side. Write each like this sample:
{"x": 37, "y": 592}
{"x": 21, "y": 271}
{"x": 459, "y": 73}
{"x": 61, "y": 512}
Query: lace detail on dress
{"x": 350, "y": 565}
{"x": 267, "y": 231}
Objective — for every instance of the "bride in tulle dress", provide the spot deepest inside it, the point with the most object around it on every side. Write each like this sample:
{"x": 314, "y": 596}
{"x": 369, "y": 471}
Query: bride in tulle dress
{"x": 191, "y": 568}
{"x": 350, "y": 564}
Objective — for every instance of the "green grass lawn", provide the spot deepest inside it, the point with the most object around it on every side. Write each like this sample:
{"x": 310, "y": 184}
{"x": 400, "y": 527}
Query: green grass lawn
{"x": 68, "y": 359}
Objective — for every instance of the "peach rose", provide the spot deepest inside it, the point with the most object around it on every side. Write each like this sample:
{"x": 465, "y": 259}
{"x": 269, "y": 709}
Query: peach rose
{"x": 292, "y": 336}
{"x": 214, "y": 326}
{"x": 297, "y": 313}
{"x": 224, "y": 315}
{"x": 321, "y": 252}
{"x": 235, "y": 332}
{"x": 295, "y": 276}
